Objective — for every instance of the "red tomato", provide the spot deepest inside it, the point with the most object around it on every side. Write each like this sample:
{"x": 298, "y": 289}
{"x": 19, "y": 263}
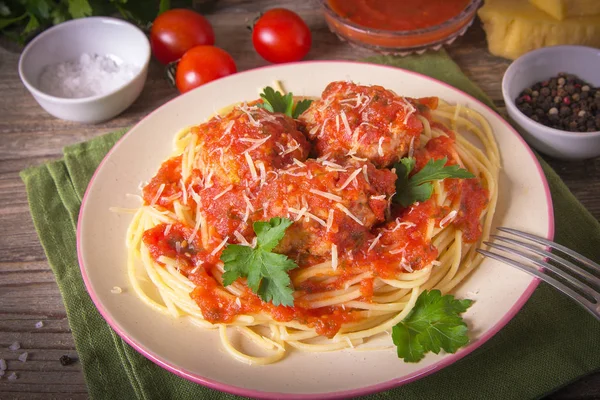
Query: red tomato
{"x": 202, "y": 64}
{"x": 280, "y": 36}
{"x": 176, "y": 31}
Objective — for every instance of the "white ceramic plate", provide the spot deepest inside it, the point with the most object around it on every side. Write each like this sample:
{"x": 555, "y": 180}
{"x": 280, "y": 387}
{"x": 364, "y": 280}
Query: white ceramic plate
{"x": 499, "y": 291}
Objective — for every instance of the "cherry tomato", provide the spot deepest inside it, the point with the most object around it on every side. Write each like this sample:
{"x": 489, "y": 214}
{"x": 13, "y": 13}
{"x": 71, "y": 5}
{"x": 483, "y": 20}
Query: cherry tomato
{"x": 202, "y": 64}
{"x": 281, "y": 36}
{"x": 176, "y": 31}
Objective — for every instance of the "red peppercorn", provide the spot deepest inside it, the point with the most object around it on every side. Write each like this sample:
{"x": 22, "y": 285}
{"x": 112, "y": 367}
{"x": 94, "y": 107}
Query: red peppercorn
{"x": 567, "y": 100}
{"x": 545, "y": 83}
{"x": 526, "y": 98}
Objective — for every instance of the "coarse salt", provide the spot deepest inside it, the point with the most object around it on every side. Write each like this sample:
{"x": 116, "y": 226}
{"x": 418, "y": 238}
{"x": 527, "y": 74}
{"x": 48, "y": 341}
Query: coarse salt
{"x": 89, "y": 75}
{"x": 12, "y": 377}
{"x": 2, "y": 364}
{"x": 39, "y": 325}
{"x": 23, "y": 357}
{"x": 14, "y": 346}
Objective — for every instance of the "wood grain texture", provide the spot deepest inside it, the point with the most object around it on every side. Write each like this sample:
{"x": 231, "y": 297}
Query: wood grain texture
{"x": 29, "y": 136}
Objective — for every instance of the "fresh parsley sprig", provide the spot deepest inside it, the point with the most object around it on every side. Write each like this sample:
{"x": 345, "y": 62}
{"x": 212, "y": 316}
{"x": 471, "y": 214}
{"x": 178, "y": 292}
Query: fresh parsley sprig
{"x": 266, "y": 272}
{"x": 432, "y": 325}
{"x": 419, "y": 187}
{"x": 276, "y": 102}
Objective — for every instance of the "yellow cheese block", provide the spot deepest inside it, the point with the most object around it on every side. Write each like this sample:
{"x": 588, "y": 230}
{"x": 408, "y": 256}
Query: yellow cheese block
{"x": 515, "y": 27}
{"x": 561, "y": 9}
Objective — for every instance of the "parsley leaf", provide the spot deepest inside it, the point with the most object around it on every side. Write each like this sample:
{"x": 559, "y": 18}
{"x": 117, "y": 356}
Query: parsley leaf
{"x": 80, "y": 8}
{"x": 419, "y": 187}
{"x": 276, "y": 102}
{"x": 301, "y": 106}
{"x": 432, "y": 325}
{"x": 266, "y": 272}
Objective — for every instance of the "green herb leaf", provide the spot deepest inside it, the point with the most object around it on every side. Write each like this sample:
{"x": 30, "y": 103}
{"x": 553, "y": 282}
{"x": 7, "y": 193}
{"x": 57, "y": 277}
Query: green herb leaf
{"x": 4, "y": 22}
{"x": 301, "y": 106}
{"x": 80, "y": 8}
{"x": 39, "y": 8}
{"x": 274, "y": 101}
{"x": 433, "y": 324}
{"x": 266, "y": 272}
{"x": 32, "y": 25}
{"x": 419, "y": 187}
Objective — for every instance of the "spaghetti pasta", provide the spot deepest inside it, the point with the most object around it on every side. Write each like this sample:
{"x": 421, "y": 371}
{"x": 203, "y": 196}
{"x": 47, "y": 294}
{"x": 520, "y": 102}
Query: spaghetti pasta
{"x": 362, "y": 261}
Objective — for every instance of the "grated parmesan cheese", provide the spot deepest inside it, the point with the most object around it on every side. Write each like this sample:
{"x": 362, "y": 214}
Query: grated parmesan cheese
{"x": 227, "y": 189}
{"x": 228, "y": 127}
{"x": 374, "y": 242}
{"x": 247, "y": 200}
{"x": 350, "y": 179}
{"x": 220, "y": 246}
{"x": 251, "y": 166}
{"x": 448, "y": 218}
{"x": 346, "y": 124}
{"x": 348, "y": 213}
{"x": 326, "y": 195}
{"x": 330, "y": 219}
{"x": 157, "y": 195}
{"x": 299, "y": 213}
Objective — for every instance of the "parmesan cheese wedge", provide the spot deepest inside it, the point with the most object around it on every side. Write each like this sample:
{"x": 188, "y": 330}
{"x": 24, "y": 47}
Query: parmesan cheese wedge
{"x": 515, "y": 27}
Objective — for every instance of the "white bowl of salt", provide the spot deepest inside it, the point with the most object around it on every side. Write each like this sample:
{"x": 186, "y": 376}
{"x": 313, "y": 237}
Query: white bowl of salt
{"x": 86, "y": 70}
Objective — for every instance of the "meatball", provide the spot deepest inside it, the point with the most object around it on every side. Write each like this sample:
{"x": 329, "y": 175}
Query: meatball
{"x": 330, "y": 204}
{"x": 244, "y": 145}
{"x": 363, "y": 121}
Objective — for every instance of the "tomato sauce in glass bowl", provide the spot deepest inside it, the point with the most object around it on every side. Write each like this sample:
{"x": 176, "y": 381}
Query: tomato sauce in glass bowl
{"x": 391, "y": 27}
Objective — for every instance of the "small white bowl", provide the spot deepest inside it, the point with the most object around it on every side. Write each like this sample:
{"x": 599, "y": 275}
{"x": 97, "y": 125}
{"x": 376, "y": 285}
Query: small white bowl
{"x": 537, "y": 66}
{"x": 111, "y": 37}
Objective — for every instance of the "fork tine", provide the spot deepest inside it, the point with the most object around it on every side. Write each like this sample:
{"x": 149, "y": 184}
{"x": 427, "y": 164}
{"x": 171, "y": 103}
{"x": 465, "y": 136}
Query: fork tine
{"x": 594, "y": 310}
{"x": 540, "y": 263}
{"x": 584, "y": 260}
{"x": 572, "y": 267}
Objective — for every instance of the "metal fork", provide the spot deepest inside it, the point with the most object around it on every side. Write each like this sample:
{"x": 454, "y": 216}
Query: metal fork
{"x": 575, "y": 281}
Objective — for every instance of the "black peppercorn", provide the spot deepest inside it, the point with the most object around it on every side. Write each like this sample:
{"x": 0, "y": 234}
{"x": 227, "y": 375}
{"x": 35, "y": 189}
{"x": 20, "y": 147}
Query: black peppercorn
{"x": 66, "y": 360}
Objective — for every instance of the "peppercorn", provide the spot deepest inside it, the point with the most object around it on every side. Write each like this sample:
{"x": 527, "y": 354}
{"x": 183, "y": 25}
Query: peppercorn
{"x": 585, "y": 88}
{"x": 527, "y": 110}
{"x": 66, "y": 360}
{"x": 573, "y": 125}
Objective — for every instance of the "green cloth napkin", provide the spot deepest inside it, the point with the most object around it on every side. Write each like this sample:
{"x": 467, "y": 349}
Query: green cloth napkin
{"x": 550, "y": 343}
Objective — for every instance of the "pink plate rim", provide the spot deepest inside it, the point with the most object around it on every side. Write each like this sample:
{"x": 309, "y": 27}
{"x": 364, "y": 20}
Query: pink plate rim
{"x": 450, "y": 359}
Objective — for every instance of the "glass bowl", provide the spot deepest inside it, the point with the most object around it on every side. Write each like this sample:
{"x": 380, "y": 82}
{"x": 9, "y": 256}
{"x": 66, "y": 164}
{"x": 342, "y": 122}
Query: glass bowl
{"x": 400, "y": 42}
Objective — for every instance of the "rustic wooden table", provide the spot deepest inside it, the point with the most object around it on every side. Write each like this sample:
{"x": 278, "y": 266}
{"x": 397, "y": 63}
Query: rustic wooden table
{"x": 29, "y": 136}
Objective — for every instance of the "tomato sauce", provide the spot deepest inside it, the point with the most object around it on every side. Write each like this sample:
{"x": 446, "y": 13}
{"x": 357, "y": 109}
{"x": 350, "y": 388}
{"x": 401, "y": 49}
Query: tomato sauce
{"x": 169, "y": 174}
{"x": 219, "y": 306}
{"x": 393, "y": 15}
